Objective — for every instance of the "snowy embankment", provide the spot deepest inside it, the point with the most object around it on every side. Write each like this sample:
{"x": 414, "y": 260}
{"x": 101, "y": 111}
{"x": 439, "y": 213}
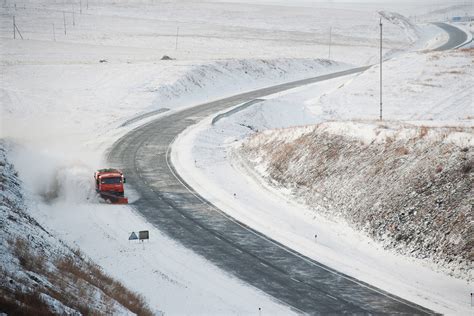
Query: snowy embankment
{"x": 120, "y": 94}
{"x": 40, "y": 274}
{"x": 429, "y": 89}
{"x": 408, "y": 187}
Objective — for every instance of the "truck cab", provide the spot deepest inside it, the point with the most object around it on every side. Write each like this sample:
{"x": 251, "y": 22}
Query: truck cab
{"x": 109, "y": 184}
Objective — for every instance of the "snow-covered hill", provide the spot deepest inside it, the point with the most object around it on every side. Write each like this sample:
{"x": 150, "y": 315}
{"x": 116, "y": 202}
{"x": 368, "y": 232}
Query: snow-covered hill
{"x": 41, "y": 275}
{"x": 409, "y": 187}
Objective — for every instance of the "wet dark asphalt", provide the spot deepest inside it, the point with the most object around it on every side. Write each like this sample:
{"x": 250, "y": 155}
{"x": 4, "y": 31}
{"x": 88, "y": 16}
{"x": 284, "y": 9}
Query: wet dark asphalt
{"x": 456, "y": 36}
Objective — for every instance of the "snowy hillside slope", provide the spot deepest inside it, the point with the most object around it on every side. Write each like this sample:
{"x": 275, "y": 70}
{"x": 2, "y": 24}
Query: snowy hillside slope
{"x": 409, "y": 187}
{"x": 107, "y": 96}
{"x": 41, "y": 275}
{"x": 411, "y": 30}
{"x": 429, "y": 87}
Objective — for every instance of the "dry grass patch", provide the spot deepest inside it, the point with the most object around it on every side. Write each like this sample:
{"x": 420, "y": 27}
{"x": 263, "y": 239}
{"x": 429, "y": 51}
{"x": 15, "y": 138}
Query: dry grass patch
{"x": 29, "y": 259}
{"x": 404, "y": 191}
{"x": 423, "y": 131}
{"x": 23, "y": 304}
{"x": 467, "y": 167}
{"x": 402, "y": 151}
{"x": 93, "y": 274}
{"x": 76, "y": 283}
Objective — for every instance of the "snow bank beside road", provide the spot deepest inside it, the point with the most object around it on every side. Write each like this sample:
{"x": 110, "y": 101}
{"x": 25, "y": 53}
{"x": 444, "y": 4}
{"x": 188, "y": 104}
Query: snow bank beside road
{"x": 407, "y": 187}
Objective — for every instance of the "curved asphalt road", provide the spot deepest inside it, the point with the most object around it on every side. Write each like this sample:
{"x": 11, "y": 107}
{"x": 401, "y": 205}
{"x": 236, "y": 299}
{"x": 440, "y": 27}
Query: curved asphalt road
{"x": 168, "y": 203}
{"x": 456, "y": 36}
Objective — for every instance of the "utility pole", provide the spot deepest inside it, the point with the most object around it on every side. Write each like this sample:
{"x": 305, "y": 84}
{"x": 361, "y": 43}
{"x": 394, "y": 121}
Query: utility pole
{"x": 73, "y": 17}
{"x": 64, "y": 19}
{"x": 54, "y": 33}
{"x": 16, "y": 30}
{"x": 177, "y": 34}
{"x": 380, "y": 68}
{"x": 80, "y": 6}
{"x": 330, "y": 39}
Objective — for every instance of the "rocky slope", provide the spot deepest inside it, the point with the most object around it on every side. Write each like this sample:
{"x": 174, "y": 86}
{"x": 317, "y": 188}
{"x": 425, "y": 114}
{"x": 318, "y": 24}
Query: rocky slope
{"x": 409, "y": 187}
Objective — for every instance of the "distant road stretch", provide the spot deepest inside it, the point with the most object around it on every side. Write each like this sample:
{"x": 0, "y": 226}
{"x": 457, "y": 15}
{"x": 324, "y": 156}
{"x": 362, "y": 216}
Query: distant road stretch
{"x": 456, "y": 36}
{"x": 167, "y": 202}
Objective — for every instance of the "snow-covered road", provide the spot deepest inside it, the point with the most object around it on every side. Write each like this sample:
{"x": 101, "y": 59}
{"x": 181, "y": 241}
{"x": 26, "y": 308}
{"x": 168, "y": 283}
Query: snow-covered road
{"x": 167, "y": 202}
{"x": 457, "y": 37}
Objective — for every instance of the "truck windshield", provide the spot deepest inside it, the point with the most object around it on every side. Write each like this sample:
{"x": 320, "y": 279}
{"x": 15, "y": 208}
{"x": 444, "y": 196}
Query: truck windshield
{"x": 111, "y": 180}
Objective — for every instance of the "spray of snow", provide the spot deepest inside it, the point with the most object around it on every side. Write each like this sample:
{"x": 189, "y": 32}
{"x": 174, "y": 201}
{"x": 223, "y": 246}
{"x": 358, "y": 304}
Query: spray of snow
{"x": 54, "y": 177}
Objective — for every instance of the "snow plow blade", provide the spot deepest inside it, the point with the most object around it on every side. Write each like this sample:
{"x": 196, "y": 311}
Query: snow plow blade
{"x": 114, "y": 199}
{"x": 120, "y": 200}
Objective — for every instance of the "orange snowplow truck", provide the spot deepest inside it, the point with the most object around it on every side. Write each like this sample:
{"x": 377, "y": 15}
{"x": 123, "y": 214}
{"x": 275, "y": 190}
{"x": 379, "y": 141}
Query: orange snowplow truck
{"x": 109, "y": 185}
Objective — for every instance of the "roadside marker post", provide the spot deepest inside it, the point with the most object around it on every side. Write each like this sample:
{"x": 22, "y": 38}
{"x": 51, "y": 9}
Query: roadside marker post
{"x": 15, "y": 29}
{"x": 380, "y": 68}
{"x": 177, "y": 35}
{"x": 330, "y": 40}
{"x": 64, "y": 20}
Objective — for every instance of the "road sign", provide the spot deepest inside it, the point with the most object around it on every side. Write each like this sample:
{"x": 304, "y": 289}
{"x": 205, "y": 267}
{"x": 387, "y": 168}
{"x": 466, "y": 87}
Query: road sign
{"x": 133, "y": 236}
{"x": 143, "y": 234}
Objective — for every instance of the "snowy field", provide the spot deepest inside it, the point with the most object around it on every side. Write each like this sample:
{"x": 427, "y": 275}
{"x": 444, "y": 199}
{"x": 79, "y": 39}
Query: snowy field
{"x": 61, "y": 108}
